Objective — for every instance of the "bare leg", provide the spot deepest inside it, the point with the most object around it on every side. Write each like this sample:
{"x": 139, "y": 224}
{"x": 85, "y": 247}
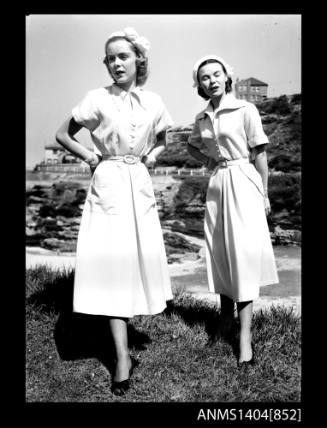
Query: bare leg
{"x": 245, "y": 316}
{"x": 118, "y": 327}
{"x": 227, "y": 314}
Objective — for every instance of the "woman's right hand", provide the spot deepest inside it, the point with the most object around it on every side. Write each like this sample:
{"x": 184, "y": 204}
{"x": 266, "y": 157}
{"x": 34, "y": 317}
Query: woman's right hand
{"x": 149, "y": 160}
{"x": 93, "y": 162}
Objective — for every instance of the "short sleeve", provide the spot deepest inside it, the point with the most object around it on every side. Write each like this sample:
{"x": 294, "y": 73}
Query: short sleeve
{"x": 86, "y": 112}
{"x": 195, "y": 138}
{"x": 163, "y": 119}
{"x": 253, "y": 126}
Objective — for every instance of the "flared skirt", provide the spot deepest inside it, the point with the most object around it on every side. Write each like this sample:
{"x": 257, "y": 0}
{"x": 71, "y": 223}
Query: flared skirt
{"x": 239, "y": 252}
{"x": 121, "y": 266}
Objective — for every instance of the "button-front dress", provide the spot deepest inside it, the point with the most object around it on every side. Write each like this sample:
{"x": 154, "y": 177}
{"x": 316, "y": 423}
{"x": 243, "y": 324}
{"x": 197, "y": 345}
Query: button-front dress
{"x": 239, "y": 253}
{"x": 121, "y": 266}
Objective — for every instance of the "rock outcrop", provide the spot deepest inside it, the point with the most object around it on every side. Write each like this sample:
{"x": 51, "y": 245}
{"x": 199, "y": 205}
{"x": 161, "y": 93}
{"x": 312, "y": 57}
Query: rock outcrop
{"x": 53, "y": 216}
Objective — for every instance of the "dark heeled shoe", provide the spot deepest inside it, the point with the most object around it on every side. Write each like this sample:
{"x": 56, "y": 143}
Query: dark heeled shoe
{"x": 120, "y": 388}
{"x": 245, "y": 364}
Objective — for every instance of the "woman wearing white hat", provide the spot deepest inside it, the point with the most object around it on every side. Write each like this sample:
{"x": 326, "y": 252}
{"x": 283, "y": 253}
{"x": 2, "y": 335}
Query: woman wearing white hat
{"x": 229, "y": 139}
{"x": 121, "y": 267}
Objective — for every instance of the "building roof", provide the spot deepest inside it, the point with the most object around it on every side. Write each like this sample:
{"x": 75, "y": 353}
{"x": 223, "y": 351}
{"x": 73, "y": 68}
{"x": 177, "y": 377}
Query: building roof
{"x": 252, "y": 81}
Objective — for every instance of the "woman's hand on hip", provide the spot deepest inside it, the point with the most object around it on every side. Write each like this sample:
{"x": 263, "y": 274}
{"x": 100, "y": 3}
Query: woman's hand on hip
{"x": 149, "y": 160}
{"x": 94, "y": 162}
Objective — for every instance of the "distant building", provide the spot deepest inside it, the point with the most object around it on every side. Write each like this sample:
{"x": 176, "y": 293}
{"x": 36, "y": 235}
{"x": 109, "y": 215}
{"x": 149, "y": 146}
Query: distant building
{"x": 251, "y": 89}
{"x": 57, "y": 154}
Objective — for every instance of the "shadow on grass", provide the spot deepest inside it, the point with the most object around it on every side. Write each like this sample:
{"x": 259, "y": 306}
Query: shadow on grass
{"x": 278, "y": 326}
{"x": 193, "y": 313}
{"x": 76, "y": 335}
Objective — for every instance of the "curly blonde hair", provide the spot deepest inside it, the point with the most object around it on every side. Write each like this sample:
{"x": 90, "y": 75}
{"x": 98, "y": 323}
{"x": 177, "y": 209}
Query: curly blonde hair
{"x": 142, "y": 70}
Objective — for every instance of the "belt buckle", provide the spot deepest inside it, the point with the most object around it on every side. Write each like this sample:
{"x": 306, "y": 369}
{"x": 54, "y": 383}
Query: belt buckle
{"x": 130, "y": 159}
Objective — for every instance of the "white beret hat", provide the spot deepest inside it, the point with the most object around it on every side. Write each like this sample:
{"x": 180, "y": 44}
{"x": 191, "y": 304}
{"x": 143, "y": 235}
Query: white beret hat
{"x": 131, "y": 35}
{"x": 228, "y": 68}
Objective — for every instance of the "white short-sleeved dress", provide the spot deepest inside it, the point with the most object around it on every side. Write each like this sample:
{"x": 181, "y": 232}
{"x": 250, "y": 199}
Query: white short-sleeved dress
{"x": 121, "y": 266}
{"x": 239, "y": 252}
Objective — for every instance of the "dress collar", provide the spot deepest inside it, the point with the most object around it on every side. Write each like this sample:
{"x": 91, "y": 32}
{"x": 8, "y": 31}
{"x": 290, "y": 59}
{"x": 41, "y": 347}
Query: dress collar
{"x": 229, "y": 102}
{"x": 120, "y": 93}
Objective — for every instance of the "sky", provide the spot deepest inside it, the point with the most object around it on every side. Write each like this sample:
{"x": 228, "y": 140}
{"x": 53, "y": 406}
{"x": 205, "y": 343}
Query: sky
{"x": 64, "y": 55}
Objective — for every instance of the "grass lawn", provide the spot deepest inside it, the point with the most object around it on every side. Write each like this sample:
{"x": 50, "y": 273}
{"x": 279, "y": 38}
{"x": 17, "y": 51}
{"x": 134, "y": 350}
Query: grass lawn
{"x": 69, "y": 355}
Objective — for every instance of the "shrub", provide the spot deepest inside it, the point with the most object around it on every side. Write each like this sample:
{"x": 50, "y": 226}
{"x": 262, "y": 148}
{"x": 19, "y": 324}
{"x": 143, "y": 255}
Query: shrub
{"x": 285, "y": 194}
{"x": 278, "y": 105}
{"x": 176, "y": 160}
{"x": 192, "y": 163}
{"x": 268, "y": 119}
{"x": 285, "y": 163}
{"x": 269, "y": 128}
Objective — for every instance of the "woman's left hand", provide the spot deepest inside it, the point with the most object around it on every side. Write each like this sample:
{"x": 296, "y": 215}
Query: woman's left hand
{"x": 267, "y": 205}
{"x": 149, "y": 160}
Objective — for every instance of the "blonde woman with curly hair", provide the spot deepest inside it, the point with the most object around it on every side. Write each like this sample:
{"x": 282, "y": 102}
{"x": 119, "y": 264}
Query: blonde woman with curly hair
{"x": 121, "y": 267}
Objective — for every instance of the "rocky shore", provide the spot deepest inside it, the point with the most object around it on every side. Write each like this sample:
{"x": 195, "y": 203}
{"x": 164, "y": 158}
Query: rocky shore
{"x": 53, "y": 215}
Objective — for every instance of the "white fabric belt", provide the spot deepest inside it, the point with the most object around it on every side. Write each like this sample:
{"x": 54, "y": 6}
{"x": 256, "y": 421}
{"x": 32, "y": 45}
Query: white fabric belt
{"x": 130, "y": 159}
{"x": 224, "y": 163}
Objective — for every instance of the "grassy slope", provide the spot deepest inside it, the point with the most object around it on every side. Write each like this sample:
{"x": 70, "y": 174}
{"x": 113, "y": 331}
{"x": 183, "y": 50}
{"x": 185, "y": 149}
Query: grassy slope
{"x": 68, "y": 356}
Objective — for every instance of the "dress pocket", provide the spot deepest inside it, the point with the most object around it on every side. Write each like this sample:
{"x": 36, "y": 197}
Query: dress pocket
{"x": 144, "y": 190}
{"x": 253, "y": 175}
{"x": 104, "y": 191}
{"x": 104, "y": 199}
